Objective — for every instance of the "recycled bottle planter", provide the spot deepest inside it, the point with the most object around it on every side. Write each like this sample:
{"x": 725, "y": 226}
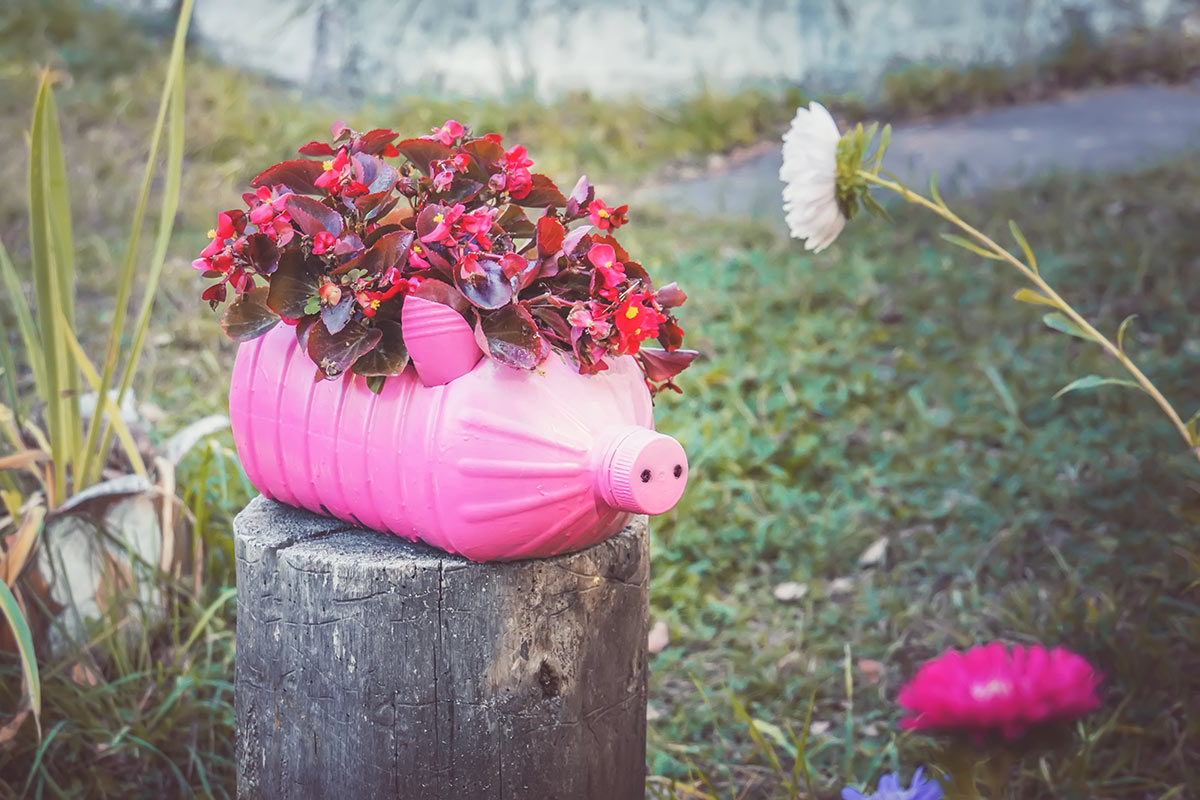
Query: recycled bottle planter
{"x": 458, "y": 451}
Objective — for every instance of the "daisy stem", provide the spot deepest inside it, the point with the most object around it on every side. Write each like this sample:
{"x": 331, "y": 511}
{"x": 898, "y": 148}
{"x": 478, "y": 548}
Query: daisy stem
{"x": 1057, "y": 300}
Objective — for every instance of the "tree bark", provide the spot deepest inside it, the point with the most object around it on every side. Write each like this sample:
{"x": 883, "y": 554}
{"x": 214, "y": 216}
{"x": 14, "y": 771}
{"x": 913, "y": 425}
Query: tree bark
{"x": 376, "y": 668}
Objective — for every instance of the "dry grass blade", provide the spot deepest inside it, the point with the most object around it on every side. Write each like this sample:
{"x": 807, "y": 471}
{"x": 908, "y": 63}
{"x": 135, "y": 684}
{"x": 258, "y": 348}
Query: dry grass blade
{"x": 20, "y": 545}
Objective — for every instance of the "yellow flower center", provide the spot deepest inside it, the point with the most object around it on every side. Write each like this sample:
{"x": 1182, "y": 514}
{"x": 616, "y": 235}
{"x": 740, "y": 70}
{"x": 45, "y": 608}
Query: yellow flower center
{"x": 327, "y": 165}
{"x": 602, "y": 213}
{"x": 212, "y": 233}
{"x": 630, "y": 312}
{"x": 439, "y": 217}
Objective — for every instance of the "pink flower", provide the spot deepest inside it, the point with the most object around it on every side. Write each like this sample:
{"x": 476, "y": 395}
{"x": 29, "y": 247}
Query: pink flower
{"x": 989, "y": 689}
{"x": 447, "y": 133}
{"x": 604, "y": 259}
{"x": 332, "y": 174}
{"x": 322, "y": 242}
{"x": 444, "y": 221}
{"x": 606, "y": 218}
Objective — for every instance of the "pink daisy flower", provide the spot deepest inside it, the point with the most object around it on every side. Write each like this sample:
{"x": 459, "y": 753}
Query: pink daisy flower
{"x": 991, "y": 689}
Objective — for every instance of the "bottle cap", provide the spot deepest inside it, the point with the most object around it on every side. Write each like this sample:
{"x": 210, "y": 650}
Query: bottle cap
{"x": 644, "y": 472}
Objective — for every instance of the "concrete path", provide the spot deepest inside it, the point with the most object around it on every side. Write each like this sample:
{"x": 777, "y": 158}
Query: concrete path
{"x": 1110, "y": 130}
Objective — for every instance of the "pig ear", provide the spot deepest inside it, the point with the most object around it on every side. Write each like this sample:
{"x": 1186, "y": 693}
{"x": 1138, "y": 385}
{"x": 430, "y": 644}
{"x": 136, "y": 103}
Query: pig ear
{"x": 439, "y": 341}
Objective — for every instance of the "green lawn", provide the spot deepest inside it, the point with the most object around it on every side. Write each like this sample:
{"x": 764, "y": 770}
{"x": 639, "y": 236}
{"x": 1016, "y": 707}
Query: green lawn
{"x": 889, "y": 388}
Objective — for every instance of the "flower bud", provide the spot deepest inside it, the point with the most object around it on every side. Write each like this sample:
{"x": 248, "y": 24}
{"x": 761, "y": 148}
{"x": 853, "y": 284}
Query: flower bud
{"x": 330, "y": 293}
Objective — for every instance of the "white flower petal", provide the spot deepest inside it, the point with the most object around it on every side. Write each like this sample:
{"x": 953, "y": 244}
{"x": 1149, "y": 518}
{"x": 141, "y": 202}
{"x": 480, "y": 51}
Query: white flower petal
{"x": 809, "y": 175}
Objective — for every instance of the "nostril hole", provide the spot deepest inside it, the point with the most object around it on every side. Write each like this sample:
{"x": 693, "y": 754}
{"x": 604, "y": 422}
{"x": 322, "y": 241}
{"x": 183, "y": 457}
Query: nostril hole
{"x": 645, "y": 476}
{"x": 678, "y": 470}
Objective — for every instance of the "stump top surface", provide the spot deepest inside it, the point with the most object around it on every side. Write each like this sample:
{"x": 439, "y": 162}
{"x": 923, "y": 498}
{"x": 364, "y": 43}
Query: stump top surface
{"x": 271, "y": 525}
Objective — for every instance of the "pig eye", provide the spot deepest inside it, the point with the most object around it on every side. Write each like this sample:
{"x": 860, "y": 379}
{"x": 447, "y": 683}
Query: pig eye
{"x": 678, "y": 470}
{"x": 645, "y": 476}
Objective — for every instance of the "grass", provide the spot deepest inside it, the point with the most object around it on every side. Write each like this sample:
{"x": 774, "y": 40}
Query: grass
{"x": 892, "y": 389}
{"x": 887, "y": 389}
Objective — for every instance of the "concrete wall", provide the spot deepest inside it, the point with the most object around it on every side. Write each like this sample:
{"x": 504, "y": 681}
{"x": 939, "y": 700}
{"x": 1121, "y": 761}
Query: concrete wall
{"x": 654, "y": 48}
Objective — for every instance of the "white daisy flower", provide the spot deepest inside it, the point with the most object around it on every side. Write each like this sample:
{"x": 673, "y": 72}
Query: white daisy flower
{"x": 809, "y": 174}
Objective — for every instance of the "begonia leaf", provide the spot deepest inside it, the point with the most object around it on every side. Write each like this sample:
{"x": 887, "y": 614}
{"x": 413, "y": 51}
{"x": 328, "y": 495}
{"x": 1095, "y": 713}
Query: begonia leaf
{"x": 295, "y": 280}
{"x": 550, "y": 235}
{"x": 385, "y": 253}
{"x": 248, "y": 317}
{"x": 334, "y": 353}
{"x": 514, "y": 222}
{"x": 262, "y": 252}
{"x": 312, "y": 216}
{"x": 486, "y": 288}
{"x": 441, "y": 292}
{"x": 661, "y": 365}
{"x": 388, "y": 357}
{"x": 298, "y": 175}
{"x": 376, "y": 141}
{"x": 335, "y": 318}
{"x": 543, "y": 193}
{"x": 512, "y": 337}
{"x": 422, "y": 152}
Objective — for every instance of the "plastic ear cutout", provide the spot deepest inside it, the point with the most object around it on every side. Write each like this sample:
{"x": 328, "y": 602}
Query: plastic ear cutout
{"x": 440, "y": 342}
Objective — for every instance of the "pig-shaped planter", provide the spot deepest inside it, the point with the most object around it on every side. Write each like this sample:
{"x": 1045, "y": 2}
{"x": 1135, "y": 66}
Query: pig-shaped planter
{"x": 465, "y": 454}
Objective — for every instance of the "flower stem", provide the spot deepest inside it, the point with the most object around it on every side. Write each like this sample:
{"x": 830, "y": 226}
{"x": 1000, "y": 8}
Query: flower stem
{"x": 1037, "y": 280}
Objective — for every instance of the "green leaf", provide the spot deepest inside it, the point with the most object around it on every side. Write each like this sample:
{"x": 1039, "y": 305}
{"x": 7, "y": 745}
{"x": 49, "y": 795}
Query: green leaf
{"x": 313, "y": 305}
{"x": 1062, "y": 324}
{"x": 49, "y": 292}
{"x": 1025, "y": 248}
{"x": 20, "y": 628}
{"x": 1121, "y": 331}
{"x": 968, "y": 245}
{"x": 1036, "y": 298}
{"x": 375, "y": 383}
{"x": 29, "y": 330}
{"x": 170, "y": 96}
{"x": 933, "y": 190}
{"x": 1091, "y": 382}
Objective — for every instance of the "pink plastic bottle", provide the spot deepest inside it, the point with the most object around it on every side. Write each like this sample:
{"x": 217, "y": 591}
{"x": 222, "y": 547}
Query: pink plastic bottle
{"x": 488, "y": 461}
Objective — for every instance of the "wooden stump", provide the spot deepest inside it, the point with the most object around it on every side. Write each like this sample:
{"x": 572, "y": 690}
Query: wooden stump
{"x": 369, "y": 667}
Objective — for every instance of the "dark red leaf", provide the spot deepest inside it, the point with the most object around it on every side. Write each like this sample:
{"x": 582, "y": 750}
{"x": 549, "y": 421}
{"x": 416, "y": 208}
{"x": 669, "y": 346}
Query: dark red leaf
{"x": 375, "y": 141}
{"x": 670, "y": 296}
{"x": 550, "y": 234}
{"x": 335, "y": 353}
{"x": 515, "y": 223}
{"x": 295, "y": 280}
{"x": 460, "y": 190}
{"x": 312, "y": 216}
{"x": 441, "y": 292}
{"x": 661, "y": 365}
{"x": 572, "y": 239}
{"x": 385, "y": 253}
{"x": 485, "y": 153}
{"x": 297, "y": 175}
{"x": 337, "y": 317}
{"x": 388, "y": 357}
{"x": 248, "y": 317}
{"x": 512, "y": 337}
{"x": 420, "y": 152}
{"x": 317, "y": 149}
{"x": 670, "y": 335}
{"x": 487, "y": 288}
{"x": 543, "y": 193}
{"x": 262, "y": 252}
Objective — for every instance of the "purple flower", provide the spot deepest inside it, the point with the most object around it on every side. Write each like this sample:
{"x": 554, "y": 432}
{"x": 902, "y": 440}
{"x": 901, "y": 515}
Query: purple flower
{"x": 889, "y": 789}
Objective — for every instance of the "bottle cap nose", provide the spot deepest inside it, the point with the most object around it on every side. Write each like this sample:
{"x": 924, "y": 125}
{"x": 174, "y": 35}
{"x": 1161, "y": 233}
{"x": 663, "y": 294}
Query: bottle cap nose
{"x": 643, "y": 471}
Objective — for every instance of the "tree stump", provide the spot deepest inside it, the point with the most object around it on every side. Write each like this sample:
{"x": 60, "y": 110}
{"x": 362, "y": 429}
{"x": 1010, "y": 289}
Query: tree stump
{"x": 371, "y": 667}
